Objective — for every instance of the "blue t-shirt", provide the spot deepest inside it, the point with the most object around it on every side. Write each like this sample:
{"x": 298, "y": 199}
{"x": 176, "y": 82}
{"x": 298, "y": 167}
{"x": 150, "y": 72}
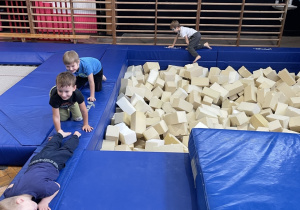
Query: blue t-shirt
{"x": 38, "y": 181}
{"x": 87, "y": 66}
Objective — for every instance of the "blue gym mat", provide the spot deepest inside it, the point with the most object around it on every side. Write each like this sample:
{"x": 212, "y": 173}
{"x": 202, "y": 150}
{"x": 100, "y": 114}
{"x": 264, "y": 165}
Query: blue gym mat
{"x": 256, "y": 58}
{"x": 25, "y": 113}
{"x": 129, "y": 181}
{"x": 245, "y": 169}
{"x": 138, "y": 55}
{"x": 26, "y": 123}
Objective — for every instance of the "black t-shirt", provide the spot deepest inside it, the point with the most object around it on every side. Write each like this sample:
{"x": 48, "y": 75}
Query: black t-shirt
{"x": 57, "y": 102}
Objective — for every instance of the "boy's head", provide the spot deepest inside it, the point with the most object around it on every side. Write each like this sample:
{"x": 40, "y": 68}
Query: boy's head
{"x": 175, "y": 25}
{"x": 71, "y": 61}
{"x": 18, "y": 203}
{"x": 65, "y": 84}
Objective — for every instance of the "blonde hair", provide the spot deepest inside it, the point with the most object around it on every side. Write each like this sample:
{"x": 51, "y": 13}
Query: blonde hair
{"x": 70, "y": 57}
{"x": 65, "y": 79}
{"x": 9, "y": 203}
{"x": 174, "y": 24}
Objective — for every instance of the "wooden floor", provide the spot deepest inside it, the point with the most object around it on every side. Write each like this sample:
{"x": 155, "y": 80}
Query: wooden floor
{"x": 7, "y": 174}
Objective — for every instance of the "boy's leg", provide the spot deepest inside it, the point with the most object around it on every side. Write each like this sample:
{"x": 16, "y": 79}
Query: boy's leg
{"x": 193, "y": 43}
{"x": 64, "y": 114}
{"x": 98, "y": 80}
{"x": 207, "y": 45}
{"x": 80, "y": 81}
{"x": 198, "y": 45}
{"x": 62, "y": 155}
{"x": 51, "y": 146}
{"x": 76, "y": 113}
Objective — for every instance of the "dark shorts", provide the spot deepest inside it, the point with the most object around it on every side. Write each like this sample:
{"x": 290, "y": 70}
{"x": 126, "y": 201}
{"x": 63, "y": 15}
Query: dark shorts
{"x": 81, "y": 81}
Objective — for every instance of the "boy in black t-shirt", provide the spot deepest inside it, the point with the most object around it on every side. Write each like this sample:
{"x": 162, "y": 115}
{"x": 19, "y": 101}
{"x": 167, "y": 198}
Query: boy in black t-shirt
{"x": 38, "y": 182}
{"x": 65, "y": 98}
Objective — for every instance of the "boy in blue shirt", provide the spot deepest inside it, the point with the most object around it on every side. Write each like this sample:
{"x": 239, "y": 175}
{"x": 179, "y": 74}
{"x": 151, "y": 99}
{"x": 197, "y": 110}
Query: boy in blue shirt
{"x": 86, "y": 69}
{"x": 38, "y": 182}
{"x": 192, "y": 39}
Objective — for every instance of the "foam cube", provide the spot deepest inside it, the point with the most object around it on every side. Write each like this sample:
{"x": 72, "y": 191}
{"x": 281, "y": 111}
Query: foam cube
{"x": 126, "y": 106}
{"x": 112, "y": 133}
{"x": 127, "y": 136}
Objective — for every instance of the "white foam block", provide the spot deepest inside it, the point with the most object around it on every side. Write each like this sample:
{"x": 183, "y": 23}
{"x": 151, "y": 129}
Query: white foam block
{"x": 126, "y": 106}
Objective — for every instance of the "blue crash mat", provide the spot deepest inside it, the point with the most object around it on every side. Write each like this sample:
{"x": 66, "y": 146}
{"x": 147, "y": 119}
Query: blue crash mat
{"x": 114, "y": 62}
{"x": 11, "y": 151}
{"x": 129, "y": 180}
{"x": 138, "y": 55}
{"x": 117, "y": 180}
{"x": 25, "y": 113}
{"x": 33, "y": 53}
{"x": 245, "y": 169}
{"x": 256, "y": 58}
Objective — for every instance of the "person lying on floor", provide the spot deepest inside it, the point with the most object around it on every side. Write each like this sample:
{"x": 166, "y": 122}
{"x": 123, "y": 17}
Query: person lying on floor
{"x": 37, "y": 187}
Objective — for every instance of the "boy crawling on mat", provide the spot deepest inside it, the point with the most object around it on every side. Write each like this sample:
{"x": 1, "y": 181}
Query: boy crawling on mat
{"x": 192, "y": 39}
{"x": 86, "y": 69}
{"x": 38, "y": 182}
{"x": 66, "y": 98}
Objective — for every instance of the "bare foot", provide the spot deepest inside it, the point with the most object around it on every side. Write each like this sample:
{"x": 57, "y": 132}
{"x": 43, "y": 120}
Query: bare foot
{"x": 207, "y": 45}
{"x": 104, "y": 78}
{"x": 197, "y": 58}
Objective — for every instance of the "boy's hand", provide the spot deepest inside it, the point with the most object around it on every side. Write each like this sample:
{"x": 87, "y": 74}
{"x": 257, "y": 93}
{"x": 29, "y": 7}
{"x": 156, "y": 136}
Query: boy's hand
{"x": 91, "y": 99}
{"x": 43, "y": 206}
{"x": 171, "y": 46}
{"x": 77, "y": 134}
{"x": 87, "y": 128}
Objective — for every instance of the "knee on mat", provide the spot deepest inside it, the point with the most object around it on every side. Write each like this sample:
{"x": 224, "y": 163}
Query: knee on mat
{"x": 78, "y": 119}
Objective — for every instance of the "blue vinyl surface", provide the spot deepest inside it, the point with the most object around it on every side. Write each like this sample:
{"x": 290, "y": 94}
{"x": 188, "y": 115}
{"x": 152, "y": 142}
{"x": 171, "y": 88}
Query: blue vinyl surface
{"x": 138, "y": 55}
{"x": 25, "y": 113}
{"x": 256, "y": 58}
{"x": 26, "y": 123}
{"x": 32, "y": 53}
{"x": 246, "y": 169}
{"x": 130, "y": 180}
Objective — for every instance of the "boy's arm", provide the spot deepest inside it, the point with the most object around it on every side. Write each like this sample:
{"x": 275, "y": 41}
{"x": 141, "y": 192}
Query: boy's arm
{"x": 56, "y": 122}
{"x": 56, "y": 119}
{"x": 44, "y": 203}
{"x": 92, "y": 87}
{"x": 174, "y": 42}
{"x": 187, "y": 40}
{"x": 86, "y": 127}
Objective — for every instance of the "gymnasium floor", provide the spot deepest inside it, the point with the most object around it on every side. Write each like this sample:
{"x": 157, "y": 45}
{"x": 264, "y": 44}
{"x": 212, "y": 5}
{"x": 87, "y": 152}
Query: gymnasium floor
{"x": 7, "y": 174}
